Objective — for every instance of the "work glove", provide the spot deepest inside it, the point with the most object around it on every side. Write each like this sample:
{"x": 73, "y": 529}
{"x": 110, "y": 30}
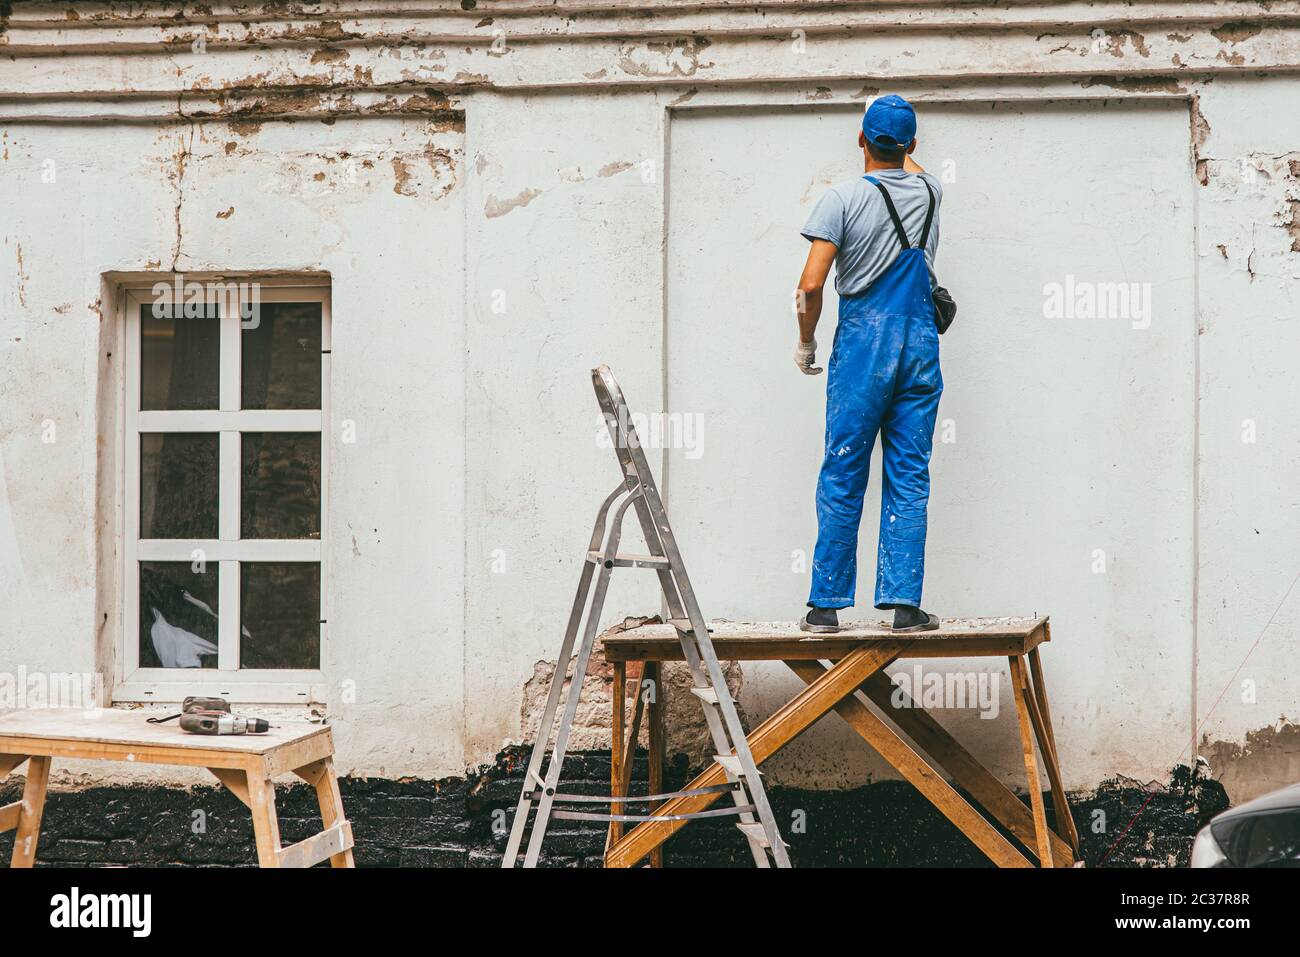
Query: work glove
{"x": 805, "y": 354}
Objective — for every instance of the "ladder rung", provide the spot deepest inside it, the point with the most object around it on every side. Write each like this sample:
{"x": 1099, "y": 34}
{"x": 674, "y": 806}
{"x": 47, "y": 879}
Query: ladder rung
{"x": 731, "y": 764}
{"x": 706, "y": 694}
{"x": 754, "y": 831}
{"x": 628, "y": 561}
{"x": 643, "y": 798}
{"x": 566, "y": 815}
{"x": 684, "y": 625}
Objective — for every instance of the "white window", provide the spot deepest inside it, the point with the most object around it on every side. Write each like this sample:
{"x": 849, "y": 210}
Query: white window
{"x": 226, "y": 404}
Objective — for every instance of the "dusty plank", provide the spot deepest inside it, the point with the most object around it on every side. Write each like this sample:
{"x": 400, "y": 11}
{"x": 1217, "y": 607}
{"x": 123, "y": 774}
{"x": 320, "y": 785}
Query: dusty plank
{"x": 783, "y": 641}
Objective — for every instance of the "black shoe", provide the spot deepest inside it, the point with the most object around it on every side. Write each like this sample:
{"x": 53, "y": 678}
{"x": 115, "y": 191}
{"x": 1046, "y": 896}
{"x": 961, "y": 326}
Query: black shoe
{"x": 909, "y": 618}
{"x": 820, "y": 621}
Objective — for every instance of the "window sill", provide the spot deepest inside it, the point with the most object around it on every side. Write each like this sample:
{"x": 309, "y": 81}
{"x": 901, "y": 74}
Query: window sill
{"x": 166, "y": 686}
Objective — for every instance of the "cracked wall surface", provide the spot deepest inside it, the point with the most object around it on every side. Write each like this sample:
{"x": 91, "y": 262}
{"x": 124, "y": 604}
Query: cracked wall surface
{"x": 489, "y": 191}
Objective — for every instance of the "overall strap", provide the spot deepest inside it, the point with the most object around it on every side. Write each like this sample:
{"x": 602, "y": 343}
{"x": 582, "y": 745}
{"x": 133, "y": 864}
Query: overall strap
{"x": 929, "y": 216}
{"x": 893, "y": 213}
{"x": 898, "y": 223}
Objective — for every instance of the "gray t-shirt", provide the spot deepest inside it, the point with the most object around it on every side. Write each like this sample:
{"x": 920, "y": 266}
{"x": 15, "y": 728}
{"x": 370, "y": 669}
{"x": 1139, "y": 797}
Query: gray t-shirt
{"x": 852, "y": 215}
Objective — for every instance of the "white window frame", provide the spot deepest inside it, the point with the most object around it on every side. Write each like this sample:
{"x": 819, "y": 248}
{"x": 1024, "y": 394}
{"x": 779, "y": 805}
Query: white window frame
{"x": 267, "y": 686}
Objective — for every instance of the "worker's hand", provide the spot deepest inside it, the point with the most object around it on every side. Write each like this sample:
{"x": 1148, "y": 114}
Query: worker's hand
{"x": 805, "y": 354}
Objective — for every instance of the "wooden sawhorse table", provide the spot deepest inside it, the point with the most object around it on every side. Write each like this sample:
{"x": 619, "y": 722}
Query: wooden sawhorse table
{"x": 244, "y": 763}
{"x": 858, "y": 656}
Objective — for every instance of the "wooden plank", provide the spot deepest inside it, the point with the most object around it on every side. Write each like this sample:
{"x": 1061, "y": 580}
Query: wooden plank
{"x": 1020, "y": 696}
{"x": 915, "y": 770}
{"x": 331, "y": 810}
{"x": 617, "y": 721}
{"x": 311, "y": 773}
{"x": 782, "y": 641}
{"x": 1060, "y": 807}
{"x": 266, "y": 823}
{"x": 299, "y": 752}
{"x": 129, "y": 729}
{"x": 236, "y": 782}
{"x": 9, "y": 815}
{"x": 10, "y": 761}
{"x": 786, "y": 724}
{"x": 332, "y": 842}
{"x": 966, "y": 771}
{"x": 1060, "y": 801}
{"x": 28, "y": 830}
{"x": 179, "y": 753}
{"x": 658, "y": 744}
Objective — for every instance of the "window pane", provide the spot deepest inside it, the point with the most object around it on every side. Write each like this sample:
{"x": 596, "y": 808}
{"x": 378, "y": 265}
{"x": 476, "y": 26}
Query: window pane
{"x": 279, "y": 614}
{"x": 178, "y": 484}
{"x": 179, "y": 357}
{"x": 281, "y": 343}
{"x": 281, "y": 485}
{"x": 178, "y": 615}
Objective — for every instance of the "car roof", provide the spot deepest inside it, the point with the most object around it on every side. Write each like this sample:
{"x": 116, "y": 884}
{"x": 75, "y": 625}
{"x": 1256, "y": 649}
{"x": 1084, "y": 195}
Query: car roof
{"x": 1287, "y": 797}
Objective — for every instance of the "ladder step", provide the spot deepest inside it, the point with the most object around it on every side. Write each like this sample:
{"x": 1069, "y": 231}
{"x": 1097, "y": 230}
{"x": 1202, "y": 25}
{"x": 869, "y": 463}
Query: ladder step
{"x": 754, "y": 831}
{"x": 709, "y": 695}
{"x": 731, "y": 764}
{"x": 629, "y": 561}
{"x": 565, "y": 814}
{"x": 684, "y": 625}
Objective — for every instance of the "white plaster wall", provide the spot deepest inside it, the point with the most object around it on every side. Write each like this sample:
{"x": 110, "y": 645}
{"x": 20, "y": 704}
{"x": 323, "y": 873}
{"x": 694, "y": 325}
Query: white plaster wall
{"x": 306, "y": 196}
{"x": 565, "y": 272}
{"x": 1067, "y": 435}
{"x": 457, "y": 521}
{"x": 1248, "y": 684}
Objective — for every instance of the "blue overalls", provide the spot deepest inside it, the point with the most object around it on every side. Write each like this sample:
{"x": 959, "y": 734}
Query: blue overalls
{"x": 883, "y": 376}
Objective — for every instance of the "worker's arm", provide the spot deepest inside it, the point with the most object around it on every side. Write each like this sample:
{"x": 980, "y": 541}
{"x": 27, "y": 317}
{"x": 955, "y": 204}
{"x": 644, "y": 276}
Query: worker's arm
{"x": 808, "y": 302}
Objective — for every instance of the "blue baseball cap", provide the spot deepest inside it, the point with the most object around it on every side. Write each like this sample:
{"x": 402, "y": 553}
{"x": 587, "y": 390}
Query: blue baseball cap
{"x": 890, "y": 122}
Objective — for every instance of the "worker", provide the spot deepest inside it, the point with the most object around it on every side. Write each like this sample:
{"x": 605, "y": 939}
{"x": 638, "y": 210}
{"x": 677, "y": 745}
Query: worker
{"x": 881, "y": 231}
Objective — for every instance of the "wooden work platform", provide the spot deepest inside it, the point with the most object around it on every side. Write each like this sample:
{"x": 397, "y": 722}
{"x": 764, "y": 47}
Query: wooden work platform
{"x": 783, "y": 641}
{"x": 244, "y": 763}
{"x": 855, "y": 677}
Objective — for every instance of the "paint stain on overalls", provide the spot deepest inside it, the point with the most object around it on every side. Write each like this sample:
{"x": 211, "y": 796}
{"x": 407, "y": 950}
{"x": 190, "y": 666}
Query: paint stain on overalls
{"x": 883, "y": 378}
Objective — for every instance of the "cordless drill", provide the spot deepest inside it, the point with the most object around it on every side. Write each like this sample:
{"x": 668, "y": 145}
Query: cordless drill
{"x": 212, "y": 716}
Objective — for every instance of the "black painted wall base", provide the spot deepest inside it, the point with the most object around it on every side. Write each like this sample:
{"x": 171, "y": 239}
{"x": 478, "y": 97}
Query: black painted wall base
{"x": 460, "y": 822}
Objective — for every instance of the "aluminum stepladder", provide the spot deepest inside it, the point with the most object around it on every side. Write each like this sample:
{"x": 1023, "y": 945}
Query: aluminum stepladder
{"x": 541, "y": 783}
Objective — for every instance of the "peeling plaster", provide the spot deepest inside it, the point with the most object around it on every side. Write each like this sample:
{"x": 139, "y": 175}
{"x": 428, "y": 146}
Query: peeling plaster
{"x": 499, "y": 207}
{"x": 612, "y": 169}
{"x": 21, "y": 276}
{"x": 1118, "y": 39}
{"x": 1267, "y": 759}
{"x": 677, "y": 58}
{"x": 1236, "y": 32}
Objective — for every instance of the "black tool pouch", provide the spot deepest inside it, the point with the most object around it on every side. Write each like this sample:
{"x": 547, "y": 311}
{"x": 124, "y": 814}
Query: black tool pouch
{"x": 945, "y": 309}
